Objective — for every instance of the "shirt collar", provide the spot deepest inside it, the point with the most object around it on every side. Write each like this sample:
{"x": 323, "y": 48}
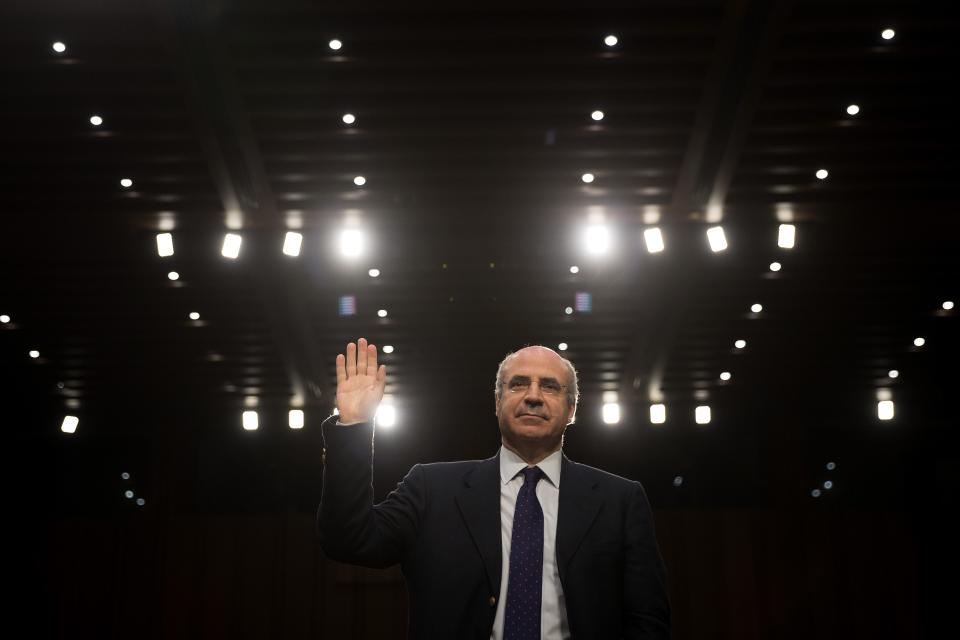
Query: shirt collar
{"x": 511, "y": 464}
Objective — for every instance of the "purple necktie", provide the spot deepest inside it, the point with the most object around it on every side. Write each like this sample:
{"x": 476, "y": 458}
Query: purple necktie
{"x": 525, "y": 583}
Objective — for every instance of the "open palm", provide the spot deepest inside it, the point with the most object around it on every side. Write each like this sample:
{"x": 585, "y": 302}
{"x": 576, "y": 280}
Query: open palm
{"x": 360, "y": 383}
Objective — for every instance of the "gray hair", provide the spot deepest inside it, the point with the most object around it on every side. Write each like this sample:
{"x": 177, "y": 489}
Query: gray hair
{"x": 573, "y": 389}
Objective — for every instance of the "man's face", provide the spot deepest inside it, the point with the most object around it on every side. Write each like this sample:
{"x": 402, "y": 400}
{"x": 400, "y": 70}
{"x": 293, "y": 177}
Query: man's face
{"x": 526, "y": 409}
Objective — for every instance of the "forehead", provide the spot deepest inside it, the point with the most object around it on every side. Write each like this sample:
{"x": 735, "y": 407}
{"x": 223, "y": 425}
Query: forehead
{"x": 535, "y": 362}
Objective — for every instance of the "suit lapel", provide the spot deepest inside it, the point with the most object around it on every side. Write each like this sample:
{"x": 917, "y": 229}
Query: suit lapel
{"x": 479, "y": 504}
{"x": 580, "y": 503}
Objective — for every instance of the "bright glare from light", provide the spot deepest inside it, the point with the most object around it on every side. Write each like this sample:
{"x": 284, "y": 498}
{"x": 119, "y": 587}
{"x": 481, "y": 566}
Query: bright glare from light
{"x": 587, "y": 177}
{"x": 373, "y": 273}
{"x": 947, "y": 305}
{"x": 126, "y": 183}
{"x": 173, "y": 275}
{"x": 597, "y": 115}
{"x": 893, "y": 373}
{"x": 702, "y": 414}
{"x": 598, "y": 239}
{"x": 382, "y": 313}
{"x": 919, "y": 342}
{"x": 125, "y": 475}
{"x": 725, "y": 376}
{"x": 756, "y": 308}
{"x": 815, "y": 493}
{"x": 295, "y": 418}
{"x": 574, "y": 269}
{"x": 164, "y": 245}
{"x": 351, "y": 242}
{"x": 231, "y": 246}
{"x": 335, "y": 44}
{"x": 69, "y": 424}
{"x": 822, "y": 174}
{"x": 611, "y": 412}
{"x": 359, "y": 181}
{"x": 34, "y": 353}
{"x": 4, "y": 318}
{"x": 59, "y": 47}
{"x": 888, "y": 34}
{"x": 787, "y": 236}
{"x": 885, "y": 409}
{"x": 831, "y": 466}
{"x": 141, "y": 502}
{"x": 740, "y": 344}
{"x": 250, "y": 420}
{"x": 717, "y": 239}
{"x": 562, "y": 346}
{"x": 653, "y": 238}
{"x": 775, "y": 266}
{"x": 610, "y": 41}
{"x": 568, "y": 310}
{"x": 658, "y": 413}
{"x": 828, "y": 484}
{"x": 853, "y": 110}
{"x": 96, "y": 121}
{"x": 388, "y": 348}
{"x": 386, "y": 415}
{"x": 194, "y": 315}
{"x": 128, "y": 494}
{"x": 349, "y": 118}
{"x": 291, "y": 243}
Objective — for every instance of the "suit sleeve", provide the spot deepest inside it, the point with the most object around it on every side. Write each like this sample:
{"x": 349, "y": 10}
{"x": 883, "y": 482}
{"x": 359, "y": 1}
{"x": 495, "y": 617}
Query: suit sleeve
{"x": 350, "y": 527}
{"x": 646, "y": 606}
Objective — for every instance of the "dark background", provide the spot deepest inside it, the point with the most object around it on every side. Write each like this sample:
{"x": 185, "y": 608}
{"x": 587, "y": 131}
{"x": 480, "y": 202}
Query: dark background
{"x": 473, "y": 129}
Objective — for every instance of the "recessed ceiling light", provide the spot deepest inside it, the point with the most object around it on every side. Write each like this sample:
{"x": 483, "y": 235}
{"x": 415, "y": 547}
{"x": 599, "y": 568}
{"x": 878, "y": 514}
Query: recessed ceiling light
{"x": 610, "y": 40}
{"x": 359, "y": 181}
{"x": 725, "y": 375}
{"x": 597, "y": 115}
{"x": 295, "y": 418}
{"x": 141, "y": 502}
{"x": 382, "y": 313}
{"x": 335, "y": 44}
{"x": 888, "y": 34}
{"x": 587, "y": 177}
{"x": 164, "y": 245}
{"x": 291, "y": 243}
{"x": 947, "y": 305}
{"x": 740, "y": 344}
{"x": 34, "y": 353}
{"x": 853, "y": 109}
{"x": 597, "y": 239}
{"x": 611, "y": 412}
{"x": 194, "y": 315}
{"x": 349, "y": 118}
{"x": 717, "y": 239}
{"x": 885, "y": 409}
{"x": 658, "y": 413}
{"x": 69, "y": 424}
{"x": 775, "y": 266}
{"x": 702, "y": 414}
{"x": 125, "y": 475}
{"x": 96, "y": 121}
{"x": 4, "y": 318}
{"x": 59, "y": 47}
{"x": 562, "y": 346}
{"x": 173, "y": 275}
{"x": 574, "y": 269}
{"x": 756, "y": 308}
{"x": 787, "y": 236}
{"x": 568, "y": 310}
{"x": 250, "y": 420}
{"x": 231, "y": 246}
{"x": 126, "y": 183}
{"x": 653, "y": 238}
{"x": 893, "y": 373}
{"x": 822, "y": 174}
{"x": 373, "y": 273}
{"x": 919, "y": 342}
{"x": 388, "y": 348}
{"x": 128, "y": 494}
{"x": 831, "y": 466}
{"x": 351, "y": 242}
{"x": 815, "y": 493}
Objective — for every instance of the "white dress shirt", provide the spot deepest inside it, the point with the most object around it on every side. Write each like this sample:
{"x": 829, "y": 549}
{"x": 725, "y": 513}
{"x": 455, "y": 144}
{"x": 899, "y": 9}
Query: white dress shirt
{"x": 553, "y": 610}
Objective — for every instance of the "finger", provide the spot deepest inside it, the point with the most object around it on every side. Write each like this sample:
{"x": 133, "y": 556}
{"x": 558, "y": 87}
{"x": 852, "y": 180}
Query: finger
{"x": 351, "y": 360}
{"x": 341, "y": 369}
{"x": 372, "y": 359}
{"x": 362, "y": 356}
{"x": 382, "y": 376}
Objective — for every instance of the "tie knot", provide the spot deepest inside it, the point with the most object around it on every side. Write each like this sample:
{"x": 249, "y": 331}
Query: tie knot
{"x": 531, "y": 475}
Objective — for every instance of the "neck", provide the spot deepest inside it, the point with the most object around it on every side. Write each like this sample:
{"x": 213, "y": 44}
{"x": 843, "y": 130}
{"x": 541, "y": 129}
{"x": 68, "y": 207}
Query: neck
{"x": 534, "y": 452}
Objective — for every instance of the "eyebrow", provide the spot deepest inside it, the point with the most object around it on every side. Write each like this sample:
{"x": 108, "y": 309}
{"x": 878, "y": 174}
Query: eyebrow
{"x": 527, "y": 379}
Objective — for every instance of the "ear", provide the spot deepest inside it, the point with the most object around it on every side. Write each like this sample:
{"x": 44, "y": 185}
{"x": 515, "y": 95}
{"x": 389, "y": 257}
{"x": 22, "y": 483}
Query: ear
{"x": 573, "y": 416}
{"x": 496, "y": 405}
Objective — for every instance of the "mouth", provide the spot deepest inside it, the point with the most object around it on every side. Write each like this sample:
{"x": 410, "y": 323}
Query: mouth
{"x": 532, "y": 415}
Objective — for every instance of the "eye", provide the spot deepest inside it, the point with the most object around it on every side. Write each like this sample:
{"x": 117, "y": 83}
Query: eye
{"x": 551, "y": 387}
{"x": 516, "y": 385}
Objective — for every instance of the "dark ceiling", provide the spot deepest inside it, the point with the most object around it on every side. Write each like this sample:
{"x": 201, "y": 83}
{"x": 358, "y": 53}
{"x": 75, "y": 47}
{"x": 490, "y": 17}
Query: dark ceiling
{"x": 473, "y": 129}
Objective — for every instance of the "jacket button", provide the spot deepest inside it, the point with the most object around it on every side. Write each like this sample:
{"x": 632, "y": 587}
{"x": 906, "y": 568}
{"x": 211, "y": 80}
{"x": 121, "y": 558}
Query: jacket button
{"x": 492, "y": 601}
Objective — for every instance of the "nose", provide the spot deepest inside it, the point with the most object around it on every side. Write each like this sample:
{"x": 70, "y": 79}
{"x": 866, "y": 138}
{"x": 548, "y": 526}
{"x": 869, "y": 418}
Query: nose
{"x": 533, "y": 396}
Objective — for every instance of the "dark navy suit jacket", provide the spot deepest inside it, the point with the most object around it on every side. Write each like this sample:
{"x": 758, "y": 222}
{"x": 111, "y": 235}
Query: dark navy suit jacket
{"x": 442, "y": 524}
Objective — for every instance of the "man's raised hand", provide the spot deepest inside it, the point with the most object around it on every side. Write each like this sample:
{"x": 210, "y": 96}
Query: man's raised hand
{"x": 360, "y": 383}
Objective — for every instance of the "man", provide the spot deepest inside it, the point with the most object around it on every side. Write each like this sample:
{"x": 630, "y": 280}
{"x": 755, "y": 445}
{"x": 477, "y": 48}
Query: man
{"x": 522, "y": 546}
